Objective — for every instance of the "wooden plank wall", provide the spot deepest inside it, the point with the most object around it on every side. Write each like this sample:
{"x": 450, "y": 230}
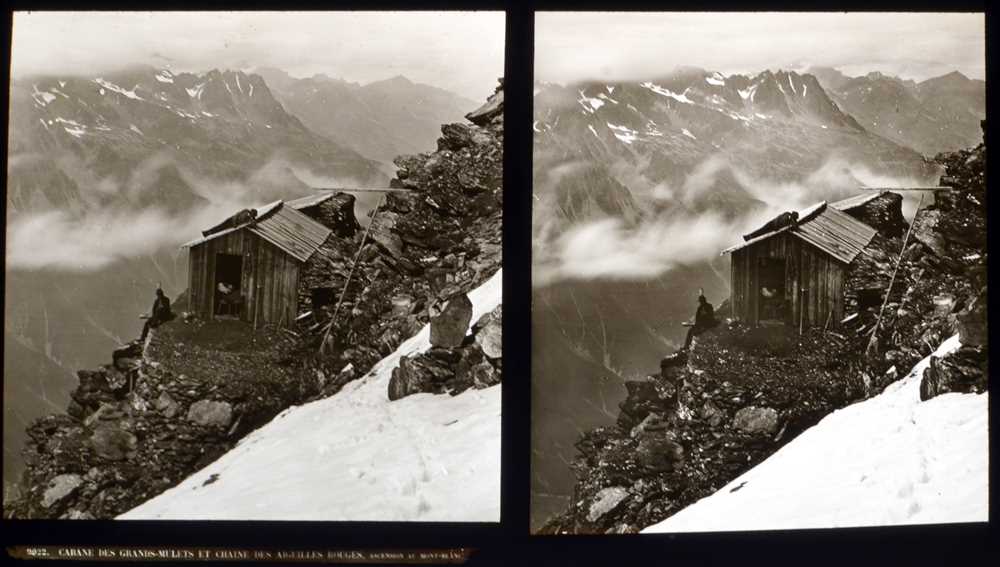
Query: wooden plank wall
{"x": 269, "y": 282}
{"x": 821, "y": 274}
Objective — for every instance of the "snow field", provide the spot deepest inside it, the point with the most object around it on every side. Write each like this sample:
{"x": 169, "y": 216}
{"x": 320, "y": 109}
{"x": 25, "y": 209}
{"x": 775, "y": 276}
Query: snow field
{"x": 889, "y": 460}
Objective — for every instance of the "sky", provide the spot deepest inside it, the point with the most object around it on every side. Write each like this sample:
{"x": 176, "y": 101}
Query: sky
{"x": 619, "y": 46}
{"x": 459, "y": 51}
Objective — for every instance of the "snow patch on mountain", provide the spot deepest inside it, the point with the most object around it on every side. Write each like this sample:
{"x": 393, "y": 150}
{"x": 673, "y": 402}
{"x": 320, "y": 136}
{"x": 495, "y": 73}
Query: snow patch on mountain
{"x": 688, "y": 133}
{"x": 623, "y": 133}
{"x": 115, "y": 88}
{"x": 589, "y": 104}
{"x": 42, "y": 97}
{"x": 196, "y": 91}
{"x": 716, "y": 79}
{"x": 164, "y": 77}
{"x": 889, "y": 460}
{"x": 357, "y": 456}
{"x": 667, "y": 92}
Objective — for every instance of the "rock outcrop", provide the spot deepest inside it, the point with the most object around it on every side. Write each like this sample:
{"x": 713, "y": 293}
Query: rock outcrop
{"x": 428, "y": 246}
{"x": 448, "y": 327}
{"x": 450, "y": 369}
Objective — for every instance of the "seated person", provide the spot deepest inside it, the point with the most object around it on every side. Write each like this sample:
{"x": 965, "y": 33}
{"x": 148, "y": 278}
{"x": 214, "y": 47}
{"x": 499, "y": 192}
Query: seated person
{"x": 224, "y": 293}
{"x": 159, "y": 314}
{"x": 704, "y": 319}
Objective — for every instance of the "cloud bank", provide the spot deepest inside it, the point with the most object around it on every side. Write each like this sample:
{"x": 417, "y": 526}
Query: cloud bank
{"x": 676, "y": 235}
{"x": 111, "y": 226}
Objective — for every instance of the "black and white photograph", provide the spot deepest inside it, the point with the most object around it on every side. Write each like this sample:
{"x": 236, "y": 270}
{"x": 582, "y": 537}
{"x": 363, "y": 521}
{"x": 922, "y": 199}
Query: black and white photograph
{"x": 759, "y": 268}
{"x": 253, "y": 266}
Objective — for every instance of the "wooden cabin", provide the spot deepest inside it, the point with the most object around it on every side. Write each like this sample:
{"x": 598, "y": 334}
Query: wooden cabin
{"x": 793, "y": 270}
{"x": 258, "y": 254}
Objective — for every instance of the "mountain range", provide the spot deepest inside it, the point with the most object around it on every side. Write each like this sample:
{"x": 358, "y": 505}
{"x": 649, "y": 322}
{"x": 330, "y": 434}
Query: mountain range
{"x": 148, "y": 135}
{"x": 380, "y": 120}
{"x": 779, "y": 126}
{"x": 936, "y": 115}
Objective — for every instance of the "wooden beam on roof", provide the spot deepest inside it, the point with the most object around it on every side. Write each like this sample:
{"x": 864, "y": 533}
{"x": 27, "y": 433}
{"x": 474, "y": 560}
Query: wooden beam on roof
{"x": 365, "y": 189}
{"x": 941, "y": 188}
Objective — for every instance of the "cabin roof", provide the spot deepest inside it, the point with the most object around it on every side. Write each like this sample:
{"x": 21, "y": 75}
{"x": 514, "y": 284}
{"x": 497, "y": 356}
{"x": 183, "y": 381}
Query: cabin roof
{"x": 290, "y": 230}
{"x": 857, "y": 200}
{"x": 832, "y": 231}
{"x": 310, "y": 200}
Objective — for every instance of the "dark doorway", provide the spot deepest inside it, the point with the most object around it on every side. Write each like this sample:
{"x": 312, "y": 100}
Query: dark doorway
{"x": 322, "y": 297}
{"x": 771, "y": 292}
{"x": 228, "y": 275}
{"x": 870, "y": 298}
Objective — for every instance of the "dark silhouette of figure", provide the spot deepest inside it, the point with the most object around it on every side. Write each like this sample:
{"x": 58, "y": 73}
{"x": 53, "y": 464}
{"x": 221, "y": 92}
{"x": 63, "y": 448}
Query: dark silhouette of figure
{"x": 704, "y": 319}
{"x": 160, "y": 314}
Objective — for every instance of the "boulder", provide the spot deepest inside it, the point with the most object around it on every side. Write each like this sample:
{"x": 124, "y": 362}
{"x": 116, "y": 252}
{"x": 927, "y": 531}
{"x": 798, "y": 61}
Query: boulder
{"x": 60, "y": 488}
{"x": 75, "y": 514}
{"x": 973, "y": 329}
{"x": 419, "y": 373}
{"x": 166, "y": 405}
{"x": 643, "y": 398}
{"x": 712, "y": 414}
{"x": 210, "y": 413}
{"x": 489, "y": 334}
{"x": 605, "y": 501}
{"x": 756, "y": 421}
{"x": 106, "y": 411}
{"x": 448, "y": 329}
{"x": 117, "y": 378}
{"x": 383, "y": 234}
{"x": 127, "y": 357}
{"x": 653, "y": 423}
{"x": 656, "y": 454}
{"x": 676, "y": 360}
{"x": 457, "y": 136}
{"x": 92, "y": 380}
{"x": 925, "y": 230}
{"x": 964, "y": 371}
{"x": 112, "y": 442}
{"x": 484, "y": 375}
{"x": 402, "y": 305}
{"x": 493, "y": 108}
{"x": 337, "y": 214}
{"x": 943, "y": 304}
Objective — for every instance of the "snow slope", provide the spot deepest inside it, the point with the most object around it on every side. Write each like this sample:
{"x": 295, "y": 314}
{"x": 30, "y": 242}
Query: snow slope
{"x": 356, "y": 456}
{"x": 888, "y": 460}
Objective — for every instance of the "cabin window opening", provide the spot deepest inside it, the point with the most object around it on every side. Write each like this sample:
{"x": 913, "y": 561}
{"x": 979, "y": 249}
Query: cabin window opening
{"x": 771, "y": 290}
{"x": 228, "y": 275}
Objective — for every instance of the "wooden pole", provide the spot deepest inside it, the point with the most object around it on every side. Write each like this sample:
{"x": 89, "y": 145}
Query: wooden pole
{"x": 365, "y": 189}
{"x": 878, "y": 322}
{"x": 802, "y": 308}
{"x": 941, "y": 188}
{"x": 354, "y": 264}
